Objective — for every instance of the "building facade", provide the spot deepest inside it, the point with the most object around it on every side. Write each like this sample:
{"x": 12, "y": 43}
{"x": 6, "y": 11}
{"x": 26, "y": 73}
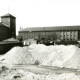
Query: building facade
{"x": 7, "y": 27}
{"x": 66, "y": 33}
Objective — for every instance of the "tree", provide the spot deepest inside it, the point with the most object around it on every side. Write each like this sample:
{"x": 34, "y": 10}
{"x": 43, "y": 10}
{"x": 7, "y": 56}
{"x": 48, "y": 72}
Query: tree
{"x": 20, "y": 39}
{"x": 52, "y": 36}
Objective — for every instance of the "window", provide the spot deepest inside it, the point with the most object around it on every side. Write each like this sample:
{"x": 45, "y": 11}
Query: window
{"x": 74, "y": 36}
{"x": 64, "y": 39}
{"x": 67, "y": 39}
{"x": 60, "y": 35}
{"x": 71, "y": 32}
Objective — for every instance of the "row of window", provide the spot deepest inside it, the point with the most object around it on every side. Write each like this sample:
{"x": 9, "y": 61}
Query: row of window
{"x": 69, "y": 37}
{"x": 33, "y": 35}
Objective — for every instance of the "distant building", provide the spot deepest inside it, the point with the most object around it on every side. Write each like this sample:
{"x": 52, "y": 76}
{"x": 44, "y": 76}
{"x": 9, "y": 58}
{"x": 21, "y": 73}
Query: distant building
{"x": 7, "y": 27}
{"x": 65, "y": 33}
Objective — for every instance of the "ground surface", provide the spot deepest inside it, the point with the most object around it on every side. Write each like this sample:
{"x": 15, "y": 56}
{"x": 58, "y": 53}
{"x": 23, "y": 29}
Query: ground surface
{"x": 35, "y": 72}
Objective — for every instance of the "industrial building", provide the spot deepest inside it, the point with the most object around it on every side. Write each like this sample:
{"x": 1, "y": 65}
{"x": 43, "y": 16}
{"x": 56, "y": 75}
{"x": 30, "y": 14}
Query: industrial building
{"x": 63, "y": 33}
{"x": 7, "y": 26}
{"x": 8, "y": 33}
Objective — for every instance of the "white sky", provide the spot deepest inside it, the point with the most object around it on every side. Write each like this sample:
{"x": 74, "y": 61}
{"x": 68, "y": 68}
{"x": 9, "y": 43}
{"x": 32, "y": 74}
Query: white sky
{"x": 42, "y": 13}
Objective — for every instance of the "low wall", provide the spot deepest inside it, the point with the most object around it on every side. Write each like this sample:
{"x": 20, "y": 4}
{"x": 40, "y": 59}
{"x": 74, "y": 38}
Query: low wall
{"x": 6, "y": 46}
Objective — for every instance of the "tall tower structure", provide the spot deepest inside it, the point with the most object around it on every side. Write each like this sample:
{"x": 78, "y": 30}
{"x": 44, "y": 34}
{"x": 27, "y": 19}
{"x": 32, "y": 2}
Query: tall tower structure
{"x": 10, "y": 21}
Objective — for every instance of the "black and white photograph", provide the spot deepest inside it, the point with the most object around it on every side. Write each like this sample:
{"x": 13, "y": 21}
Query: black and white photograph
{"x": 39, "y": 39}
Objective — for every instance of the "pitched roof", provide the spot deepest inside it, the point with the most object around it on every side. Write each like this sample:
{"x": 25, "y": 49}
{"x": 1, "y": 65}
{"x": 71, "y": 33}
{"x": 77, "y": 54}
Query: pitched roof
{"x": 8, "y": 15}
{"x": 11, "y": 39}
{"x": 57, "y": 28}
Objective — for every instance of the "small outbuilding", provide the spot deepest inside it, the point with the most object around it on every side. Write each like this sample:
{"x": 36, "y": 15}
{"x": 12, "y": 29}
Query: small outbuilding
{"x": 28, "y": 42}
{"x": 7, "y": 44}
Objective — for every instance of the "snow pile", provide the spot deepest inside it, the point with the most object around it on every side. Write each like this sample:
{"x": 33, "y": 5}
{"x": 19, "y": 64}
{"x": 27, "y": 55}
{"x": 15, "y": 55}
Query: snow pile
{"x": 38, "y": 47}
{"x": 39, "y": 52}
{"x": 74, "y": 61}
{"x": 17, "y": 55}
{"x": 64, "y": 56}
{"x": 59, "y": 55}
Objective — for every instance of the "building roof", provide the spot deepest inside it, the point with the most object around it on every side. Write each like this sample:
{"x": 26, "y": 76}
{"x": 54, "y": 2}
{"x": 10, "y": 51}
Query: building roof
{"x": 57, "y": 28}
{"x": 7, "y": 15}
{"x": 11, "y": 39}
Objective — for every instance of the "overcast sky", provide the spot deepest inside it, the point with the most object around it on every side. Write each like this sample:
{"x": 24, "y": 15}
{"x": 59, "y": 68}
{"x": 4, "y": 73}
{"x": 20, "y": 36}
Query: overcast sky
{"x": 42, "y": 13}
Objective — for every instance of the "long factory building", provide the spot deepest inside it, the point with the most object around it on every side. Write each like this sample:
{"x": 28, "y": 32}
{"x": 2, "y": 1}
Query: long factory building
{"x": 70, "y": 33}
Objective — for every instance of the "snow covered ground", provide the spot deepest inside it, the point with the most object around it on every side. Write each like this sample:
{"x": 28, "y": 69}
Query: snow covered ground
{"x": 40, "y": 62}
{"x": 31, "y": 72}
